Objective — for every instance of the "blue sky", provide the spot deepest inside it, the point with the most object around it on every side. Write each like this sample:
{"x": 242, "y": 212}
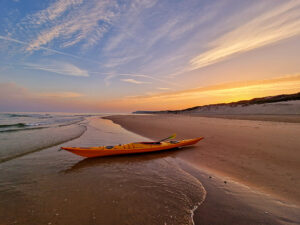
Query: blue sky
{"x": 74, "y": 54}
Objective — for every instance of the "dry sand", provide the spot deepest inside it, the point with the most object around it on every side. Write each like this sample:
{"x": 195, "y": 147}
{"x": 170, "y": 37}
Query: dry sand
{"x": 263, "y": 155}
{"x": 262, "y": 117}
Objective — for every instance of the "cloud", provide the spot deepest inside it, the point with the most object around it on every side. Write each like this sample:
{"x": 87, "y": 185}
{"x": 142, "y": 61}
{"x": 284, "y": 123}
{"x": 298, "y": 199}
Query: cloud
{"x": 43, "y": 48}
{"x": 159, "y": 44}
{"x": 53, "y": 11}
{"x": 59, "y": 68}
{"x": 133, "y": 81}
{"x": 270, "y": 26}
{"x": 163, "y": 88}
{"x": 151, "y": 78}
{"x": 85, "y": 22}
{"x": 16, "y": 98}
{"x": 223, "y": 92}
{"x": 111, "y": 76}
{"x": 62, "y": 95}
{"x": 12, "y": 90}
{"x": 75, "y": 21}
{"x": 12, "y": 40}
{"x": 129, "y": 23}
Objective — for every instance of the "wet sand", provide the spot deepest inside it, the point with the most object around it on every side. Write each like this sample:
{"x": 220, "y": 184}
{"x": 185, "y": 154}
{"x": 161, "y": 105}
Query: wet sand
{"x": 263, "y": 155}
{"x": 51, "y": 187}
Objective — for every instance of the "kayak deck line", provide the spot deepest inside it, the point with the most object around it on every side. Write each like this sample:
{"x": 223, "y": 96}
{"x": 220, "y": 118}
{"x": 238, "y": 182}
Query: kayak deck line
{"x": 131, "y": 148}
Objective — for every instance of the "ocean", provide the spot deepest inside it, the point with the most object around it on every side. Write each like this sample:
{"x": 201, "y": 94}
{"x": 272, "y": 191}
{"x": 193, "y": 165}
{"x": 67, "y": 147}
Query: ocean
{"x": 24, "y": 133}
{"x": 41, "y": 185}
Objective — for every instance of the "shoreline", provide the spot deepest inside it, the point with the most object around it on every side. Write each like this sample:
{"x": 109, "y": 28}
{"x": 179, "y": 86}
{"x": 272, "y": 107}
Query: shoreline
{"x": 268, "y": 167}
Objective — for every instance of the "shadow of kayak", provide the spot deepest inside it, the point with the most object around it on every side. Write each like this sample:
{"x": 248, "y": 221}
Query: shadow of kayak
{"x": 124, "y": 159}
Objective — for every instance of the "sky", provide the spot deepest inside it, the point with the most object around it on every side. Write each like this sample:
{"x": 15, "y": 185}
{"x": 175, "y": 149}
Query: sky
{"x": 122, "y": 56}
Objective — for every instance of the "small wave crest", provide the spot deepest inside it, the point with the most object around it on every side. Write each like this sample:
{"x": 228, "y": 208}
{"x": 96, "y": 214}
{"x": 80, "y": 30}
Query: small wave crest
{"x": 41, "y": 116}
{"x": 13, "y": 125}
{"x": 25, "y": 129}
{"x": 30, "y": 140}
{"x": 20, "y": 127}
{"x": 18, "y": 122}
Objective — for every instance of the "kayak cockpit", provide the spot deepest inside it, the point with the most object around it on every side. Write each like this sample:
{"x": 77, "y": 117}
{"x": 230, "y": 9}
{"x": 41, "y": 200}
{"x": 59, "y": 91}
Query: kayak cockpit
{"x": 148, "y": 143}
{"x": 156, "y": 142}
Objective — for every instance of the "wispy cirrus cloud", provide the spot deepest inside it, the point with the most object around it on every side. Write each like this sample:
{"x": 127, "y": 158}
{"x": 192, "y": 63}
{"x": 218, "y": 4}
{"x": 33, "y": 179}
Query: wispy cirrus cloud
{"x": 59, "y": 68}
{"x": 53, "y": 11}
{"x": 272, "y": 25}
{"x": 26, "y": 44}
{"x": 260, "y": 24}
{"x": 111, "y": 76}
{"x": 168, "y": 45}
{"x": 133, "y": 81}
{"x": 85, "y": 22}
{"x": 75, "y": 21}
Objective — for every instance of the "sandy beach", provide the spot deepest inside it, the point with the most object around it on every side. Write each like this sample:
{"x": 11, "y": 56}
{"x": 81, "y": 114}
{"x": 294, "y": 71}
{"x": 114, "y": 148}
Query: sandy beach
{"x": 263, "y": 155}
{"x": 183, "y": 186}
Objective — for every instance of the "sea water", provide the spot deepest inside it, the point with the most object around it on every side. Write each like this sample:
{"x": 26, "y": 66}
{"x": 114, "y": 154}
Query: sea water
{"x": 23, "y": 133}
{"x": 41, "y": 185}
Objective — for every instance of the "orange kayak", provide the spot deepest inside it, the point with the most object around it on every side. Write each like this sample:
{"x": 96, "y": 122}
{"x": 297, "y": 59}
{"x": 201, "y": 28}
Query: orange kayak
{"x": 137, "y": 147}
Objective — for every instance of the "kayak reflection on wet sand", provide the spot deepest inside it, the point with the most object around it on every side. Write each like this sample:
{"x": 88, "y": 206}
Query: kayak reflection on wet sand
{"x": 126, "y": 159}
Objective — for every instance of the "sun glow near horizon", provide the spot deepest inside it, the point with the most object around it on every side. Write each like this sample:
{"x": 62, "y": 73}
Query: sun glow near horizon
{"x": 167, "y": 100}
{"x": 222, "y": 93}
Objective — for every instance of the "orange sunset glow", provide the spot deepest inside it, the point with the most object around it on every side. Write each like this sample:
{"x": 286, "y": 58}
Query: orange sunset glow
{"x": 222, "y": 93}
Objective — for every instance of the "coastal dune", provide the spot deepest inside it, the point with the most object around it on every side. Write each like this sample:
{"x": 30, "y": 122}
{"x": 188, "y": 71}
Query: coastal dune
{"x": 263, "y": 155}
{"x": 277, "y": 108}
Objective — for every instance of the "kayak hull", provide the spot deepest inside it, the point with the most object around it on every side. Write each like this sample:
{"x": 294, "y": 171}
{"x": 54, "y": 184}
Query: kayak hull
{"x": 132, "y": 148}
